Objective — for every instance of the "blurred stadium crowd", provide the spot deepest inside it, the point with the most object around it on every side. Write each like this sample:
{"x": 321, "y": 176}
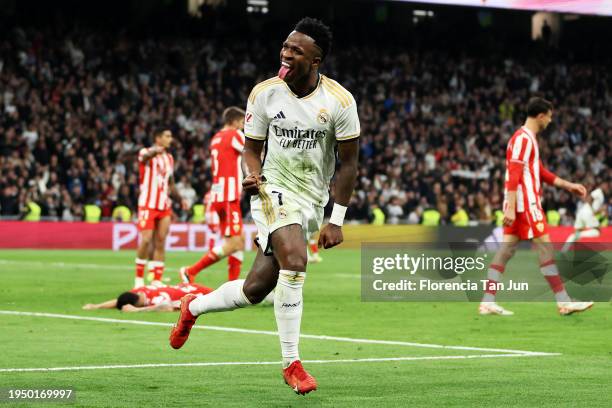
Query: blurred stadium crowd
{"x": 74, "y": 108}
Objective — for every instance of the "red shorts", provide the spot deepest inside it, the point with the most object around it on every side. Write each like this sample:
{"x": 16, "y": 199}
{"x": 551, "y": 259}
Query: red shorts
{"x": 528, "y": 225}
{"x": 230, "y": 217}
{"x": 147, "y": 217}
{"x": 212, "y": 219}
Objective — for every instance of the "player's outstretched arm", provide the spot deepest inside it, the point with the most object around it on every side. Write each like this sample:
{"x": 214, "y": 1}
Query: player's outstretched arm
{"x": 150, "y": 153}
{"x": 109, "y": 304}
{"x": 348, "y": 155}
{"x": 551, "y": 178}
{"x": 251, "y": 165}
{"x": 574, "y": 188}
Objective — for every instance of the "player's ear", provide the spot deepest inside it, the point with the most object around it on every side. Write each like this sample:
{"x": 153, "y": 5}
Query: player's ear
{"x": 316, "y": 62}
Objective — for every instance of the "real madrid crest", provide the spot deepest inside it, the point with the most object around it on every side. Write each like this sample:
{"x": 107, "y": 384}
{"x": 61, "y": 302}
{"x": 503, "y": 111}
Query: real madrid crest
{"x": 323, "y": 117}
{"x": 282, "y": 213}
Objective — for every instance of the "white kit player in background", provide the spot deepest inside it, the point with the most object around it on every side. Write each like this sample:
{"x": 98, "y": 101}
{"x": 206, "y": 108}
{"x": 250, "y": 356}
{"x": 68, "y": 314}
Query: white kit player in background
{"x": 304, "y": 120}
{"x": 587, "y": 224}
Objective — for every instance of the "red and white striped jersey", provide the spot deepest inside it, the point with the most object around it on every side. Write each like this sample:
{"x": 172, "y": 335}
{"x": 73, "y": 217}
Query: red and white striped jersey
{"x": 523, "y": 149}
{"x": 170, "y": 294}
{"x": 226, "y": 156}
{"x": 154, "y": 180}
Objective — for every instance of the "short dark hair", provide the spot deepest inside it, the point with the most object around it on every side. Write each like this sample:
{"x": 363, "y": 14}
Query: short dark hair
{"x": 159, "y": 131}
{"x": 232, "y": 114}
{"x": 127, "y": 298}
{"x": 537, "y": 105}
{"x": 318, "y": 31}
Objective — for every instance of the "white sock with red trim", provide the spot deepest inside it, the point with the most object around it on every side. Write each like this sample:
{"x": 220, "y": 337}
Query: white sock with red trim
{"x": 494, "y": 276}
{"x": 551, "y": 274}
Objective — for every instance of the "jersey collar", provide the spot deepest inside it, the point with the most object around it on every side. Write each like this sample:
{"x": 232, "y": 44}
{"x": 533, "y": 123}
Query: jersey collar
{"x": 529, "y": 132}
{"x": 308, "y": 95}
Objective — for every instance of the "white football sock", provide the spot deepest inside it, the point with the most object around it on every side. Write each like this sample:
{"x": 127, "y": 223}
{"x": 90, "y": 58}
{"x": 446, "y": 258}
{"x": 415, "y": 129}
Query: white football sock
{"x": 228, "y": 296}
{"x": 138, "y": 282}
{"x": 288, "y": 306}
{"x": 589, "y": 233}
{"x": 551, "y": 274}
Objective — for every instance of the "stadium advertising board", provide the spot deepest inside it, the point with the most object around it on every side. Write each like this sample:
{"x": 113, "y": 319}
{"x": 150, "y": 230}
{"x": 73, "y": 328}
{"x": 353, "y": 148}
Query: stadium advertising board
{"x": 193, "y": 237}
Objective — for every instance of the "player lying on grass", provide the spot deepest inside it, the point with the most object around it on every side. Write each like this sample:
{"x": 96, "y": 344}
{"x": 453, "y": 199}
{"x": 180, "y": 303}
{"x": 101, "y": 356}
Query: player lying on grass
{"x": 151, "y": 298}
{"x": 304, "y": 120}
{"x": 523, "y": 214}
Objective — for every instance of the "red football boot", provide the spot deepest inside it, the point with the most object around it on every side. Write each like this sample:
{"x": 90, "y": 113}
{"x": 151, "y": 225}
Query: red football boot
{"x": 299, "y": 379}
{"x": 180, "y": 331}
{"x": 185, "y": 276}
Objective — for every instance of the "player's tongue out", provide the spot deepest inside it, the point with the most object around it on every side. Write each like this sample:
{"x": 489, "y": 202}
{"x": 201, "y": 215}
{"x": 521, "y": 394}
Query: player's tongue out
{"x": 283, "y": 71}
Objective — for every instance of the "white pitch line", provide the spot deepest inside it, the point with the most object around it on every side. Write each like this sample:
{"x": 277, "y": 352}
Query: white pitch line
{"x": 272, "y": 333}
{"x": 230, "y": 363}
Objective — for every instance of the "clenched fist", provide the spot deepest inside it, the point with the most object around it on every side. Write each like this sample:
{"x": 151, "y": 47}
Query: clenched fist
{"x": 330, "y": 236}
{"x": 251, "y": 184}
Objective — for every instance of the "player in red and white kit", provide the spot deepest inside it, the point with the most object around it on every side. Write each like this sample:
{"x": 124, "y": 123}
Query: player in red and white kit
{"x": 523, "y": 214}
{"x": 212, "y": 220}
{"x": 226, "y": 156}
{"x": 151, "y": 298}
{"x": 156, "y": 168}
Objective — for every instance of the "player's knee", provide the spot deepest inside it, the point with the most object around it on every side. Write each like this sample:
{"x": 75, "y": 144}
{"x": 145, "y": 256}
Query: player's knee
{"x": 294, "y": 261}
{"x": 145, "y": 240}
{"x": 256, "y": 291}
{"x": 236, "y": 244}
{"x": 159, "y": 242}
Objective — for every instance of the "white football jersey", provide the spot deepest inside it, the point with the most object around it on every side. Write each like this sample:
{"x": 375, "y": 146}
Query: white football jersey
{"x": 598, "y": 199}
{"x": 301, "y": 133}
{"x": 585, "y": 218}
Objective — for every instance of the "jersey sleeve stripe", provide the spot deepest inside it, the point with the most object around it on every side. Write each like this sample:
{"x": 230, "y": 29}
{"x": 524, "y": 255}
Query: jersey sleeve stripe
{"x": 254, "y": 137}
{"x": 343, "y": 91}
{"x": 328, "y": 84}
{"x": 262, "y": 86}
{"x": 348, "y": 137}
{"x": 335, "y": 93}
{"x": 344, "y": 94}
{"x": 343, "y": 99}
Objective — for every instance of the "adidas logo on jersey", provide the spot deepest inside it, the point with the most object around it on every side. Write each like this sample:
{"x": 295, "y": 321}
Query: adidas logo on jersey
{"x": 280, "y": 115}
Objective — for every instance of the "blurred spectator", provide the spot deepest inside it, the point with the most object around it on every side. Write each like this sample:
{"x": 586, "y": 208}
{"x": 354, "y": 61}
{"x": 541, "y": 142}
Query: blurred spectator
{"x": 434, "y": 124}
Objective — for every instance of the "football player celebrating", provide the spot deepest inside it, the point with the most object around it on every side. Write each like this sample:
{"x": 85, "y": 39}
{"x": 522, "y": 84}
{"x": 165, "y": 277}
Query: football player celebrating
{"x": 302, "y": 118}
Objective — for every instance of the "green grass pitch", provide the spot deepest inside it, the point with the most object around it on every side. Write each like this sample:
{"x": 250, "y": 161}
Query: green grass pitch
{"x": 60, "y": 282}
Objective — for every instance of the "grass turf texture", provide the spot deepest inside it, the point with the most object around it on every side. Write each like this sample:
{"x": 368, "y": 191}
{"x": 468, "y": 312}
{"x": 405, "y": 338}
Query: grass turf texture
{"x": 53, "y": 282}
